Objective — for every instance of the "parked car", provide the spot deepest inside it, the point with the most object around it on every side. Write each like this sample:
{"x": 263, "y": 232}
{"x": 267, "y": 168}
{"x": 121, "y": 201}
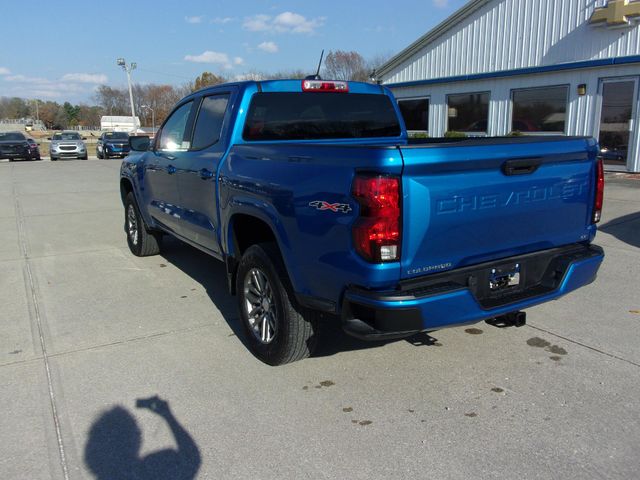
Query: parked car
{"x": 618, "y": 154}
{"x": 322, "y": 208}
{"x": 67, "y": 144}
{"x": 16, "y": 145}
{"x": 113, "y": 144}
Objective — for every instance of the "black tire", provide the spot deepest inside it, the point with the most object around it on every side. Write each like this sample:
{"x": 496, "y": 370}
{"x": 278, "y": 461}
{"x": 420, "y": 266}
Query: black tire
{"x": 294, "y": 330}
{"x": 141, "y": 241}
{"x": 105, "y": 155}
{"x": 53, "y": 159}
{"x": 86, "y": 157}
{"x": 98, "y": 154}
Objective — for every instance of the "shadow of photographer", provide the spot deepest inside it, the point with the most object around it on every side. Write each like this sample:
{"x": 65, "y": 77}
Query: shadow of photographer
{"x": 112, "y": 451}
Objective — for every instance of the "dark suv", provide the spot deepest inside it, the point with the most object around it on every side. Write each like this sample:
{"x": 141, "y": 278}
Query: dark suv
{"x": 113, "y": 144}
{"x": 14, "y": 145}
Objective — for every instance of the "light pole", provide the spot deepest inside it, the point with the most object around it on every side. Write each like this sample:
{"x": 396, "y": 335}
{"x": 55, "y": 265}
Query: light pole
{"x": 153, "y": 118}
{"x": 37, "y": 112}
{"x": 129, "y": 68}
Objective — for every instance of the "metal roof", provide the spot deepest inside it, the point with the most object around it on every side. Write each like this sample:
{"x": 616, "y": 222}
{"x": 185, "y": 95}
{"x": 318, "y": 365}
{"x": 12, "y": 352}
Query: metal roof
{"x": 431, "y": 35}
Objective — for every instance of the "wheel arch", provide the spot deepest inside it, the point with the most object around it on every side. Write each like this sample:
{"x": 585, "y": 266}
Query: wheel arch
{"x": 126, "y": 187}
{"x": 245, "y": 229}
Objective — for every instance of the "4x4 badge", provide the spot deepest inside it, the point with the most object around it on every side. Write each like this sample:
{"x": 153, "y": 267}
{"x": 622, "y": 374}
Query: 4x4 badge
{"x": 334, "y": 207}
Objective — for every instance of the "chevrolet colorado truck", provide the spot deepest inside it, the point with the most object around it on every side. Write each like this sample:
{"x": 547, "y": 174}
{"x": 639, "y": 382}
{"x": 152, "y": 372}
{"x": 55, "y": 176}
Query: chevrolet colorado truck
{"x": 320, "y": 207}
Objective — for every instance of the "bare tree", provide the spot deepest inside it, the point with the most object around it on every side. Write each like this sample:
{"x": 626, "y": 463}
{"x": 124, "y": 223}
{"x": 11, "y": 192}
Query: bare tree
{"x": 340, "y": 65}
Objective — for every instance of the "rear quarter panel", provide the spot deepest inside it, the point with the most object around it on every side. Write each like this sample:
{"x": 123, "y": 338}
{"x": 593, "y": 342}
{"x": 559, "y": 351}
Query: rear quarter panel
{"x": 278, "y": 181}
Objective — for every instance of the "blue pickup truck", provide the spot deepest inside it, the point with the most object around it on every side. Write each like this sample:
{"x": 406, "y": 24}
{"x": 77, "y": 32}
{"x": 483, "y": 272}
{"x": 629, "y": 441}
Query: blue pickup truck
{"x": 321, "y": 207}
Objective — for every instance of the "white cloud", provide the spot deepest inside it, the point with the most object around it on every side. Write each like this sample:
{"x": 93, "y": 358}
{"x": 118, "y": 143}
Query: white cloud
{"x": 25, "y": 79}
{"x": 5, "y": 71}
{"x": 441, "y": 3}
{"x": 194, "y": 19}
{"x": 217, "y": 58}
{"x": 70, "y": 85}
{"x": 269, "y": 47}
{"x": 286, "y": 22}
{"x": 85, "y": 78}
{"x": 222, "y": 20}
{"x": 257, "y": 23}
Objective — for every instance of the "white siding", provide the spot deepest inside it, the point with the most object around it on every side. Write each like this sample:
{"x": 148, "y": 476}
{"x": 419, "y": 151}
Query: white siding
{"x": 582, "y": 111}
{"x": 510, "y": 34}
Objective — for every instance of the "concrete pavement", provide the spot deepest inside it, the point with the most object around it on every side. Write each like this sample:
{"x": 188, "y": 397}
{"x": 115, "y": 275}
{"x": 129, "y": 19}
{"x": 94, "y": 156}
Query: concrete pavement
{"x": 89, "y": 330}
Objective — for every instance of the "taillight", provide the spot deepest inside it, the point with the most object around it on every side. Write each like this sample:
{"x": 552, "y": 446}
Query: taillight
{"x": 324, "y": 86}
{"x": 597, "y": 206}
{"x": 377, "y": 233}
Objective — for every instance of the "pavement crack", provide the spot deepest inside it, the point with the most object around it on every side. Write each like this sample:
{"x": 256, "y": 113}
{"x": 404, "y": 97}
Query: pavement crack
{"x": 575, "y": 342}
{"x": 22, "y": 239}
{"x": 133, "y": 339}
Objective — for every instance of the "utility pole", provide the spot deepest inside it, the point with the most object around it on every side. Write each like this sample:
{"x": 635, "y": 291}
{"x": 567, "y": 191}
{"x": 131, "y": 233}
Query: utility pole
{"x": 129, "y": 68}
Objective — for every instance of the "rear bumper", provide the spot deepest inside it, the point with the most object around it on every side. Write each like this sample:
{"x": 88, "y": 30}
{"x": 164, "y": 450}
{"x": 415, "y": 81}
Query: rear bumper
{"x": 462, "y": 296}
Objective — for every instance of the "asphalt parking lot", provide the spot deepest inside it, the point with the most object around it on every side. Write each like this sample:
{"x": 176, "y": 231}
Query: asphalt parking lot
{"x": 90, "y": 331}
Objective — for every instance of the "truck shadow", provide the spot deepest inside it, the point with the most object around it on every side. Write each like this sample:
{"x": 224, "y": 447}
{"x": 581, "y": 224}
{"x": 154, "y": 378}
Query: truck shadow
{"x": 625, "y": 229}
{"x": 211, "y": 274}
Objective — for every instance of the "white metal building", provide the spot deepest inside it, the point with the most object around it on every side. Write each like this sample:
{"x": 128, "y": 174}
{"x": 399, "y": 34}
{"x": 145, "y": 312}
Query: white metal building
{"x": 531, "y": 66}
{"x": 119, "y": 123}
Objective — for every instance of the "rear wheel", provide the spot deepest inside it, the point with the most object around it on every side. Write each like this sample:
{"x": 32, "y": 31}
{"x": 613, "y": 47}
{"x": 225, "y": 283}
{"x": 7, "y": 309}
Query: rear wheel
{"x": 142, "y": 242}
{"x": 277, "y": 329}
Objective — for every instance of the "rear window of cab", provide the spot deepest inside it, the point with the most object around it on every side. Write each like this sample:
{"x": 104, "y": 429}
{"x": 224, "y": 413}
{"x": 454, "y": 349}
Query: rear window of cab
{"x": 319, "y": 116}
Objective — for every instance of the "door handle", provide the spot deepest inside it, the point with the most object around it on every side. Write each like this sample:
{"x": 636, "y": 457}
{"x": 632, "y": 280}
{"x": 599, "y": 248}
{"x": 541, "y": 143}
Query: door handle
{"x": 171, "y": 169}
{"x": 522, "y": 166}
{"x": 205, "y": 174}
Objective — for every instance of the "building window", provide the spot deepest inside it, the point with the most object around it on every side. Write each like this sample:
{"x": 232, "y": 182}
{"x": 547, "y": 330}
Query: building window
{"x": 468, "y": 112}
{"x": 542, "y": 110}
{"x": 415, "y": 113}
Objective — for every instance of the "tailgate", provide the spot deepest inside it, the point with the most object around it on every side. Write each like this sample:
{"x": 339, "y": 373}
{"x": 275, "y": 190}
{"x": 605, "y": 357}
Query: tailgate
{"x": 476, "y": 200}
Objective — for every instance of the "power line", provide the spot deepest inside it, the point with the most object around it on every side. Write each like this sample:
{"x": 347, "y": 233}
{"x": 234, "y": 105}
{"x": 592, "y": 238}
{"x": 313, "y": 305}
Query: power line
{"x": 166, "y": 74}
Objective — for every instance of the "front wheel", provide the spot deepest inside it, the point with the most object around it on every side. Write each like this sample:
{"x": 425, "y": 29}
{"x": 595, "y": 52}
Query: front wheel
{"x": 142, "y": 243}
{"x": 277, "y": 330}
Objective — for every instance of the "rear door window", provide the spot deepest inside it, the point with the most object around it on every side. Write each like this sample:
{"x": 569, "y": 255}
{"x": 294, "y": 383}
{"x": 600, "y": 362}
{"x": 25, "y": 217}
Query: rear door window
{"x": 209, "y": 122}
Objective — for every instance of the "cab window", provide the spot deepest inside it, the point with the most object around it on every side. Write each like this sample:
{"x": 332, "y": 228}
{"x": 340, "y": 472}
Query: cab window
{"x": 209, "y": 122}
{"x": 173, "y": 135}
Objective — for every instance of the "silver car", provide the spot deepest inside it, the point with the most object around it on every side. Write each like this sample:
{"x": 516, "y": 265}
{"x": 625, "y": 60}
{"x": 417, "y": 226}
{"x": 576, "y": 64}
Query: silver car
{"x": 67, "y": 144}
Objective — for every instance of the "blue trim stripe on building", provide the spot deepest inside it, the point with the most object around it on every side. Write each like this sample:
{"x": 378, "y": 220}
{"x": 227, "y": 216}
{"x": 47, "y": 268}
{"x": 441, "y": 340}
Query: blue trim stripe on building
{"x": 522, "y": 71}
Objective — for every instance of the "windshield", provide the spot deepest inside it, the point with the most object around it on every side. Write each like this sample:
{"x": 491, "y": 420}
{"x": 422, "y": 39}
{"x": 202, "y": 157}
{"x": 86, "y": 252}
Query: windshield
{"x": 67, "y": 136}
{"x": 11, "y": 136}
{"x": 116, "y": 136}
{"x": 315, "y": 116}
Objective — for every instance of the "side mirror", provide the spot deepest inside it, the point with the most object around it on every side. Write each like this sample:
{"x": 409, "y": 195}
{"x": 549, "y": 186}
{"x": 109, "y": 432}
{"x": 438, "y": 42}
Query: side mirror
{"x": 139, "y": 143}
{"x": 48, "y": 138}
{"x": 84, "y": 138}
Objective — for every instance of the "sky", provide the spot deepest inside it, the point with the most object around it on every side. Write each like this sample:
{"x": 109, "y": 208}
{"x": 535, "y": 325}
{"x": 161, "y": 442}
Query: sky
{"x": 63, "y": 50}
